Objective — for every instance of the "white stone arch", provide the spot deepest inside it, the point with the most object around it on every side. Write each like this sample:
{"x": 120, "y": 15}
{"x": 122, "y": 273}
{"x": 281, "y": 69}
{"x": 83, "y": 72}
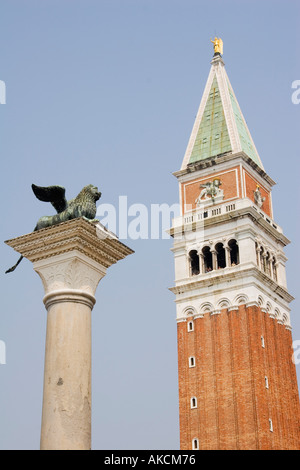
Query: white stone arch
{"x": 241, "y": 299}
{"x": 229, "y": 238}
{"x": 193, "y": 261}
{"x": 206, "y": 307}
{"x": 223, "y": 303}
{"x": 219, "y": 249}
{"x": 285, "y": 318}
{"x": 260, "y": 300}
{"x": 277, "y": 313}
{"x": 207, "y": 257}
{"x": 216, "y": 242}
{"x": 274, "y": 265}
{"x": 189, "y": 311}
{"x": 232, "y": 245}
{"x": 269, "y": 307}
{"x": 262, "y": 251}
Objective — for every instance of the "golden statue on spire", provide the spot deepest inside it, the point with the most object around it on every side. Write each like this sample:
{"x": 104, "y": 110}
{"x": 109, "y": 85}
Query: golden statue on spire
{"x": 218, "y": 45}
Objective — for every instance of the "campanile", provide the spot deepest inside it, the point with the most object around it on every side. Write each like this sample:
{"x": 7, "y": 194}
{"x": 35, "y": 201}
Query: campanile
{"x": 237, "y": 380}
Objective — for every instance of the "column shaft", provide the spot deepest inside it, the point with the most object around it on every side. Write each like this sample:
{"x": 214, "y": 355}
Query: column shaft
{"x": 66, "y": 416}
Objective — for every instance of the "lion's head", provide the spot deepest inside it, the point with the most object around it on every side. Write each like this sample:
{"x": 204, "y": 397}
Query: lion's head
{"x": 88, "y": 193}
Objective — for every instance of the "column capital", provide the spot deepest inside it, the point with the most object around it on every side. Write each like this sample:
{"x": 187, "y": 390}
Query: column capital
{"x": 71, "y": 258}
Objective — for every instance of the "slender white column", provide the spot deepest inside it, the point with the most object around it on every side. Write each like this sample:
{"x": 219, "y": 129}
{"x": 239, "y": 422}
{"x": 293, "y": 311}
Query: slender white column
{"x": 264, "y": 262}
{"x": 214, "y": 259}
{"x": 227, "y": 256}
{"x": 70, "y": 258}
{"x": 201, "y": 262}
{"x": 258, "y": 258}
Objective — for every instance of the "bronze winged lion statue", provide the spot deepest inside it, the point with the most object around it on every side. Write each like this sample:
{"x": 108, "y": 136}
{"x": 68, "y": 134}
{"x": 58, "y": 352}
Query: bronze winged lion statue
{"x": 83, "y": 205}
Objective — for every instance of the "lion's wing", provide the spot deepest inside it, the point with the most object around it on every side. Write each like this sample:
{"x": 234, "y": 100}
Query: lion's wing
{"x": 53, "y": 194}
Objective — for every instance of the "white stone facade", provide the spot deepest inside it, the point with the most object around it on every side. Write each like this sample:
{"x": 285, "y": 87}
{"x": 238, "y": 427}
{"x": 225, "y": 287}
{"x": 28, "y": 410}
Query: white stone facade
{"x": 245, "y": 282}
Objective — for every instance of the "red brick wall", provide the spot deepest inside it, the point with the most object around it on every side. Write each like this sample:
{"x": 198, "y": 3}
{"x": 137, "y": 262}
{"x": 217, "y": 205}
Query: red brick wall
{"x": 233, "y": 404}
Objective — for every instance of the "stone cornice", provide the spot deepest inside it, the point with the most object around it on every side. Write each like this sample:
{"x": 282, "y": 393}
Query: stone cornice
{"x": 86, "y": 237}
{"x": 223, "y": 158}
{"x": 205, "y": 281}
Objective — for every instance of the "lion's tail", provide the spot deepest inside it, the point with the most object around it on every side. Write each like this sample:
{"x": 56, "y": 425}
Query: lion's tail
{"x": 10, "y": 270}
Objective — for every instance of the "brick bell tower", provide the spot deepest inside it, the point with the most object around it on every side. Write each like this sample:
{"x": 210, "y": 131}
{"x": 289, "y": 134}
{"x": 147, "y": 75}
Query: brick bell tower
{"x": 237, "y": 381}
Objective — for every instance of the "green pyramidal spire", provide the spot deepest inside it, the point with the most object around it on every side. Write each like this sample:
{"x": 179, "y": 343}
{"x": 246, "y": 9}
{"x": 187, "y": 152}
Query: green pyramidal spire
{"x": 212, "y": 137}
{"x": 246, "y": 142}
{"x": 219, "y": 126}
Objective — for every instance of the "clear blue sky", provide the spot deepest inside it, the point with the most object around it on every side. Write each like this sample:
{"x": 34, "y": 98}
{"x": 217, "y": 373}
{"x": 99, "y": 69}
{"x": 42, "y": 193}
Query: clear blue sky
{"x": 106, "y": 92}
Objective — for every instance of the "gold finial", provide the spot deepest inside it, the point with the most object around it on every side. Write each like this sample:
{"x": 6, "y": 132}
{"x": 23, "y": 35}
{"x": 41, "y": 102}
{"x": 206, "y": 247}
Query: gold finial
{"x": 218, "y": 45}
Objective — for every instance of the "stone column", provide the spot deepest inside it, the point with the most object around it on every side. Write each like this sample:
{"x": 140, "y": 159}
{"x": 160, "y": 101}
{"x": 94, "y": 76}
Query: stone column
{"x": 70, "y": 258}
{"x": 227, "y": 256}
{"x": 214, "y": 259}
{"x": 274, "y": 270}
{"x": 201, "y": 262}
{"x": 258, "y": 257}
{"x": 264, "y": 262}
